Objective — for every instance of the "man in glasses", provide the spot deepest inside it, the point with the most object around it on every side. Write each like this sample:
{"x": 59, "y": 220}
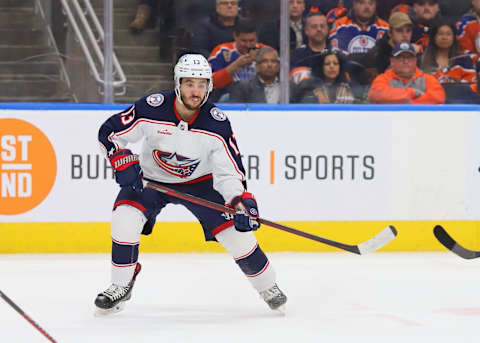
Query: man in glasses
{"x": 265, "y": 86}
{"x": 404, "y": 83}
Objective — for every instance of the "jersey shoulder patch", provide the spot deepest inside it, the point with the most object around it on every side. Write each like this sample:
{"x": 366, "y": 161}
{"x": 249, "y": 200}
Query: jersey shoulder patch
{"x": 155, "y": 99}
{"x": 218, "y": 114}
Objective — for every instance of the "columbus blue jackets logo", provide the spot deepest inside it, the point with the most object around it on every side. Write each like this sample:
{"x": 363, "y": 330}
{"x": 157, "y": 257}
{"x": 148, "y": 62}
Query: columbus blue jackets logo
{"x": 175, "y": 164}
{"x": 217, "y": 114}
{"x": 155, "y": 100}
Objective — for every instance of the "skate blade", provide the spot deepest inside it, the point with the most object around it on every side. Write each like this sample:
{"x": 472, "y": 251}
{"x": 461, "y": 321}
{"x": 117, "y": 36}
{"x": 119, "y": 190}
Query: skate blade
{"x": 101, "y": 312}
{"x": 282, "y": 310}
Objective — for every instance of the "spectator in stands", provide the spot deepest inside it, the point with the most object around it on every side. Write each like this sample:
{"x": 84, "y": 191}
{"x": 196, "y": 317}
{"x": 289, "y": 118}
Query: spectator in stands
{"x": 151, "y": 12}
{"x": 316, "y": 30}
{"x": 404, "y": 83}
{"x": 265, "y": 86}
{"x": 329, "y": 83}
{"x": 377, "y": 59}
{"x": 424, "y": 14}
{"x": 234, "y": 61}
{"x": 454, "y": 70}
{"x": 216, "y": 28}
{"x": 360, "y": 29}
{"x": 269, "y": 32}
{"x": 450, "y": 9}
{"x": 469, "y": 30}
{"x": 144, "y": 16}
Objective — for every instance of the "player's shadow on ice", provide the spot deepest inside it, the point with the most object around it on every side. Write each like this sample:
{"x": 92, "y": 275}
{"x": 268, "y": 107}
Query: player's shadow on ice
{"x": 197, "y": 315}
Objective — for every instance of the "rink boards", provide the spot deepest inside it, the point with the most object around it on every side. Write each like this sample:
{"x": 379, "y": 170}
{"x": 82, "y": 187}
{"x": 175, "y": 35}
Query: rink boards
{"x": 341, "y": 172}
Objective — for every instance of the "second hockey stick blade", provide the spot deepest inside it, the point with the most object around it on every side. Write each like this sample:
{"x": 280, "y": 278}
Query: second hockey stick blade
{"x": 449, "y": 243}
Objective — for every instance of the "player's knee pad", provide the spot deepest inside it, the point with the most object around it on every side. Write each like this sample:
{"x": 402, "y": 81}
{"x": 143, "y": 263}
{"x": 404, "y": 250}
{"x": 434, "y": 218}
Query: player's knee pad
{"x": 244, "y": 248}
{"x": 126, "y": 224}
{"x": 237, "y": 243}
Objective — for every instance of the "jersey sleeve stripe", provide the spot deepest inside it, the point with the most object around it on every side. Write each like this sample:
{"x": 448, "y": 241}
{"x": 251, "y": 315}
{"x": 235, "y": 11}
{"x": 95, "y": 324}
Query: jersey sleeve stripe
{"x": 121, "y": 133}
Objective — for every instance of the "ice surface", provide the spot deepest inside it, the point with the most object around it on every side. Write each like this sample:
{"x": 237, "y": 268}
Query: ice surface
{"x": 333, "y": 297}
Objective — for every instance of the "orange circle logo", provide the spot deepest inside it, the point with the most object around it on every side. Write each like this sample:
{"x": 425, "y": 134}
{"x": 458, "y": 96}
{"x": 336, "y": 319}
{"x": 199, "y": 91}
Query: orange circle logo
{"x": 28, "y": 166}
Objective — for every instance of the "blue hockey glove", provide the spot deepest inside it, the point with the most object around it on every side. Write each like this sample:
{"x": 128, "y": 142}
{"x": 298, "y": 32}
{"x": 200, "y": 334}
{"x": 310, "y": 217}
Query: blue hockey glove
{"x": 245, "y": 218}
{"x": 127, "y": 169}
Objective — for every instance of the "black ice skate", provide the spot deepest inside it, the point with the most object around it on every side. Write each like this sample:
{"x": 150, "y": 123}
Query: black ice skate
{"x": 274, "y": 298}
{"x": 113, "y": 299}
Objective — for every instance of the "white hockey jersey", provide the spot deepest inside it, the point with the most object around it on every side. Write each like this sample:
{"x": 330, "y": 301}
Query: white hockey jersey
{"x": 174, "y": 151}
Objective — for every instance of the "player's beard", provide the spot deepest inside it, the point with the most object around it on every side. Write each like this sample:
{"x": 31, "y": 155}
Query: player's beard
{"x": 192, "y": 108}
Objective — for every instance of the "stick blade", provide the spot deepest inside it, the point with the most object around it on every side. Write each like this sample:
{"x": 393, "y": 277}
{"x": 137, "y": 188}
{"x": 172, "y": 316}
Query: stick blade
{"x": 448, "y": 242}
{"x": 381, "y": 239}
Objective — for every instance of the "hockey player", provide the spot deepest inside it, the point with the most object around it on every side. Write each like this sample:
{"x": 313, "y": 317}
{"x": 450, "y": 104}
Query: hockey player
{"x": 188, "y": 144}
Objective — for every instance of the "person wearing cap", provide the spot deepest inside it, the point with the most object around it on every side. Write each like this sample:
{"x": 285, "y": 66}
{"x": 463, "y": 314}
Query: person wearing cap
{"x": 377, "y": 60}
{"x": 359, "y": 30}
{"x": 469, "y": 30}
{"x": 404, "y": 82}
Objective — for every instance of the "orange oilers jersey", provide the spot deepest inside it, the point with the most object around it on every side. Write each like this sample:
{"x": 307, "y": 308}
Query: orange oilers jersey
{"x": 468, "y": 32}
{"x": 461, "y": 69}
{"x": 221, "y": 56}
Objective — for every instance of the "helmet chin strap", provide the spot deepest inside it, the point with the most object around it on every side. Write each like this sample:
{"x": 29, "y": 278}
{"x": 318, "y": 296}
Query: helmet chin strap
{"x": 179, "y": 95}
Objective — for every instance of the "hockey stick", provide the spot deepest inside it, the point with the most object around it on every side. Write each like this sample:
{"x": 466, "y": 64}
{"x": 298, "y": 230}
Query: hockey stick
{"x": 449, "y": 243}
{"x": 24, "y": 315}
{"x": 379, "y": 240}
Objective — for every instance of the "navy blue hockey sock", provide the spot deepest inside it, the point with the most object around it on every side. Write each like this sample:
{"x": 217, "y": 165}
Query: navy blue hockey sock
{"x": 253, "y": 263}
{"x": 124, "y": 254}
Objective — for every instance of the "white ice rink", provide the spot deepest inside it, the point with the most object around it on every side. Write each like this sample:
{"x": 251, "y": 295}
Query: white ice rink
{"x": 333, "y": 297}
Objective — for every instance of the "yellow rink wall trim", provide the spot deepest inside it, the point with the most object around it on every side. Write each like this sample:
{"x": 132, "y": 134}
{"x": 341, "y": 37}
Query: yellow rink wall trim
{"x": 188, "y": 237}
